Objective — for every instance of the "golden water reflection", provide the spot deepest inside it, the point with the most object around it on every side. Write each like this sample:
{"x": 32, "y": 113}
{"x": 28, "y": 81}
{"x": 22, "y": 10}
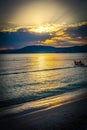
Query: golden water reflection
{"x": 42, "y": 76}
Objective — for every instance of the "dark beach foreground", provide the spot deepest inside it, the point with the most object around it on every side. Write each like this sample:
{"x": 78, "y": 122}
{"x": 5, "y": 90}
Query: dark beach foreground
{"x": 71, "y": 115}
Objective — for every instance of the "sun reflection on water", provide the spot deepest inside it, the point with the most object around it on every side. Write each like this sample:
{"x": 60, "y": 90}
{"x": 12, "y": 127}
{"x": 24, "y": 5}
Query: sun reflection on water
{"x": 34, "y": 76}
{"x": 45, "y": 79}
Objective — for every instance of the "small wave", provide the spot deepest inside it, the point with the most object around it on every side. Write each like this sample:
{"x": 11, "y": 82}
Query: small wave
{"x": 42, "y": 104}
{"x": 40, "y": 95}
{"x": 52, "y": 69}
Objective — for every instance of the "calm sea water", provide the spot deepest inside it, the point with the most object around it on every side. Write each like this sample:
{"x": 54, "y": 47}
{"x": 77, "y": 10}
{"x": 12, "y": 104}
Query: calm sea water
{"x": 29, "y": 77}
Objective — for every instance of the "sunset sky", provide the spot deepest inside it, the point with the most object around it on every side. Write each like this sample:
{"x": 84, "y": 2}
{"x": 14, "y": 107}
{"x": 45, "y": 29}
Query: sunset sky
{"x": 58, "y": 23}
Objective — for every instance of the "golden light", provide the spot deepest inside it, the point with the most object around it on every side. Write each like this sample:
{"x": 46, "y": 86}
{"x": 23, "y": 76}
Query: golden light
{"x": 36, "y": 13}
{"x": 41, "y": 29}
{"x": 40, "y": 13}
{"x": 48, "y": 28}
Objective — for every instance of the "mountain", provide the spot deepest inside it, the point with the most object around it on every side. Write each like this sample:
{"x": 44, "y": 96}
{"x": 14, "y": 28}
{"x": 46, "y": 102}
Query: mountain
{"x": 47, "y": 49}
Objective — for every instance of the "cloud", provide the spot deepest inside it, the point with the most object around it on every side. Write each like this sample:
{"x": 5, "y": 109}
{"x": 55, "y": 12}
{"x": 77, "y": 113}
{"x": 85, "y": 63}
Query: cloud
{"x": 77, "y": 31}
{"x": 20, "y": 38}
{"x": 77, "y": 34}
{"x": 70, "y": 35}
{"x": 58, "y": 35}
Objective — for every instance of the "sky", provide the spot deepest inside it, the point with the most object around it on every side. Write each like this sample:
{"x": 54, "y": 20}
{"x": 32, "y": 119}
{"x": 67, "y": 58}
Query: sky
{"x": 58, "y": 23}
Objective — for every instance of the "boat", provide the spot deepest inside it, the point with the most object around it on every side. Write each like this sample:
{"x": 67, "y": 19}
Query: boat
{"x": 79, "y": 63}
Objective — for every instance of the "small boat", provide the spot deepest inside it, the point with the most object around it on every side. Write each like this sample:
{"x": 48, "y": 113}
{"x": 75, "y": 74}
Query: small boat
{"x": 78, "y": 63}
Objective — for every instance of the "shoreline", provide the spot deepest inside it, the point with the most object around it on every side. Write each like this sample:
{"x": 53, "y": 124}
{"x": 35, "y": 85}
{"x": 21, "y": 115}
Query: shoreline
{"x": 65, "y": 115}
{"x": 44, "y": 103}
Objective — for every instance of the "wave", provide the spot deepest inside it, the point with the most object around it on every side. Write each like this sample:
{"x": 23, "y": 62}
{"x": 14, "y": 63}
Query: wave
{"x": 42, "y": 95}
{"x": 51, "y": 69}
{"x": 43, "y": 104}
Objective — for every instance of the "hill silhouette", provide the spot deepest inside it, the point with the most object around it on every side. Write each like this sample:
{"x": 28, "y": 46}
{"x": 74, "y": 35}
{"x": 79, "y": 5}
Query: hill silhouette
{"x": 47, "y": 49}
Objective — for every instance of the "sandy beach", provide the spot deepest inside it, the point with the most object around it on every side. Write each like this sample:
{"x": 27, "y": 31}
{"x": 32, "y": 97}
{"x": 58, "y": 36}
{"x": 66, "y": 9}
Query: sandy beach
{"x": 65, "y": 116}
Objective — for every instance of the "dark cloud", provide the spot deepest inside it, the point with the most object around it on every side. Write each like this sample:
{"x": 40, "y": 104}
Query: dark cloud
{"x": 79, "y": 31}
{"x": 20, "y": 38}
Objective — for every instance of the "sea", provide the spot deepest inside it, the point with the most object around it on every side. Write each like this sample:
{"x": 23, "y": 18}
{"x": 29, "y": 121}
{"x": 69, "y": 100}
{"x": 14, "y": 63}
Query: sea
{"x": 32, "y": 77}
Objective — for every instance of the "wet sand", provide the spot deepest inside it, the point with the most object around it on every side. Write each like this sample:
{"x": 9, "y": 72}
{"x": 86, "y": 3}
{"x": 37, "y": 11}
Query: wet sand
{"x": 66, "y": 116}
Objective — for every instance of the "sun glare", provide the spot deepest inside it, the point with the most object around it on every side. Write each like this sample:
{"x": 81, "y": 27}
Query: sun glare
{"x": 48, "y": 28}
{"x": 40, "y": 13}
{"x": 41, "y": 29}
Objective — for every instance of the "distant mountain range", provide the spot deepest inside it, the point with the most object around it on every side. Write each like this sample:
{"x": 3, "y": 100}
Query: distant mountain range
{"x": 46, "y": 49}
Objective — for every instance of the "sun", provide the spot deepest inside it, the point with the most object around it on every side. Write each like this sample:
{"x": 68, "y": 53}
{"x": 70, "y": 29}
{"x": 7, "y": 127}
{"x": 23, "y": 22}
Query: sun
{"x": 48, "y": 28}
{"x": 42, "y": 29}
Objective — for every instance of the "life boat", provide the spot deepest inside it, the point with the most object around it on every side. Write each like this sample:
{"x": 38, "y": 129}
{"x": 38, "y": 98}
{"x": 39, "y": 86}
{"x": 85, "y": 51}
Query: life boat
{"x": 79, "y": 63}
